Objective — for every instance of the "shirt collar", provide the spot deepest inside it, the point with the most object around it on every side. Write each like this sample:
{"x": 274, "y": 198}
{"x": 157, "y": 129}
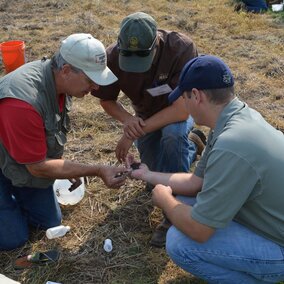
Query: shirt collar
{"x": 230, "y": 109}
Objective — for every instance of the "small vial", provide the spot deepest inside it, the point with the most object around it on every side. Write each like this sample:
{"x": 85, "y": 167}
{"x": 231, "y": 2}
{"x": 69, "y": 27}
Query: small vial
{"x": 57, "y": 232}
{"x": 108, "y": 245}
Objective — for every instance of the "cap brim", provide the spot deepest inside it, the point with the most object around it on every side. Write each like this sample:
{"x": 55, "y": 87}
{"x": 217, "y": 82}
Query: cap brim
{"x": 102, "y": 78}
{"x": 175, "y": 94}
{"x": 136, "y": 64}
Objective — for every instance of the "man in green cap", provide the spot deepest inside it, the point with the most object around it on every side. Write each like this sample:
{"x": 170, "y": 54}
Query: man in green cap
{"x": 147, "y": 62}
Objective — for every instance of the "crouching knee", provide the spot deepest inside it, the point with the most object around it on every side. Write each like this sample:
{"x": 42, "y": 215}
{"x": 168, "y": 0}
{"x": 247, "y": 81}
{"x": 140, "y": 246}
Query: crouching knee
{"x": 181, "y": 248}
{"x": 173, "y": 243}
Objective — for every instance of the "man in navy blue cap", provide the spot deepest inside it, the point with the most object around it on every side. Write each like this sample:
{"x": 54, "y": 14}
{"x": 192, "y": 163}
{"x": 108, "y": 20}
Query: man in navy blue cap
{"x": 227, "y": 216}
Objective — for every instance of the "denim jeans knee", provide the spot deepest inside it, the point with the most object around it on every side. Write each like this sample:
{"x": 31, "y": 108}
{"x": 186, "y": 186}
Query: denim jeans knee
{"x": 250, "y": 258}
{"x": 13, "y": 228}
{"x": 168, "y": 149}
{"x": 13, "y": 242}
{"x": 41, "y": 206}
{"x": 172, "y": 244}
{"x": 177, "y": 152}
{"x": 24, "y": 206}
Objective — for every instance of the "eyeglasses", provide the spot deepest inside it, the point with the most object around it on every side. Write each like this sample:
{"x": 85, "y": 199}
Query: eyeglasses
{"x": 140, "y": 52}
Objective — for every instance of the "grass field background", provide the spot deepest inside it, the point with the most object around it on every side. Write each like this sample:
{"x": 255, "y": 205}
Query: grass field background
{"x": 251, "y": 44}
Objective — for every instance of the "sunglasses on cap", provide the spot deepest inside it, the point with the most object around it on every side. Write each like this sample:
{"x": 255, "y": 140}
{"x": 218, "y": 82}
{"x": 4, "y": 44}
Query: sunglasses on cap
{"x": 140, "y": 52}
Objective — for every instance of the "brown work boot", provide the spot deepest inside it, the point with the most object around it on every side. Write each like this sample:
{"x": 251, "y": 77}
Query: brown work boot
{"x": 159, "y": 236}
{"x": 198, "y": 138}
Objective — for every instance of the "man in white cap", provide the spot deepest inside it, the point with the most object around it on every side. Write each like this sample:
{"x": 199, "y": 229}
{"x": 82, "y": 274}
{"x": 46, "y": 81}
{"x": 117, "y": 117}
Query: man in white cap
{"x": 34, "y": 101}
{"x": 147, "y": 62}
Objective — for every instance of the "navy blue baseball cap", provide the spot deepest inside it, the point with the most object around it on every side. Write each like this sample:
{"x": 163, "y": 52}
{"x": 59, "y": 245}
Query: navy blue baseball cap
{"x": 204, "y": 72}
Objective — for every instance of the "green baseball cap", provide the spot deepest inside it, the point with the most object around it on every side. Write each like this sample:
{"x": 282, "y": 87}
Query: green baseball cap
{"x": 136, "y": 42}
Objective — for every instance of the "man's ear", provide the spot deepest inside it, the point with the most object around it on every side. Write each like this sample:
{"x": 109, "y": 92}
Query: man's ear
{"x": 66, "y": 69}
{"x": 195, "y": 94}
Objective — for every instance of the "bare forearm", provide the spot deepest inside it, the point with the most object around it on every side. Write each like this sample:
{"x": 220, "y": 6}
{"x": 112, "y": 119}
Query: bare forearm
{"x": 58, "y": 168}
{"x": 186, "y": 184}
{"x": 180, "y": 216}
{"x": 116, "y": 110}
{"x": 171, "y": 114}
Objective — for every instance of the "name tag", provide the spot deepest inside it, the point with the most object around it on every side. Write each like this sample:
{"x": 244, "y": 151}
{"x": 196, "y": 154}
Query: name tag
{"x": 160, "y": 90}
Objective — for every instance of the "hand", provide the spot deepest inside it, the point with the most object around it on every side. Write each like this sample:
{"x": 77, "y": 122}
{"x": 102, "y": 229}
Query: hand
{"x": 129, "y": 160}
{"x": 76, "y": 182}
{"x": 122, "y": 148}
{"x": 132, "y": 127}
{"x": 141, "y": 173}
{"x": 160, "y": 195}
{"x": 113, "y": 177}
{"x": 131, "y": 163}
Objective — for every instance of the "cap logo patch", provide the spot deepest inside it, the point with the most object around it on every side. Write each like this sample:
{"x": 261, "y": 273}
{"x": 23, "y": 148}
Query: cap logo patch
{"x": 100, "y": 59}
{"x": 227, "y": 78}
{"x": 133, "y": 42}
{"x": 163, "y": 76}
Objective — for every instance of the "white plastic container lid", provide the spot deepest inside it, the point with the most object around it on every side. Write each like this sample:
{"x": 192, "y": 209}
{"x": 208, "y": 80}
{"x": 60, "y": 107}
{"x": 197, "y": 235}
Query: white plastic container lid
{"x": 66, "y": 197}
{"x": 277, "y": 7}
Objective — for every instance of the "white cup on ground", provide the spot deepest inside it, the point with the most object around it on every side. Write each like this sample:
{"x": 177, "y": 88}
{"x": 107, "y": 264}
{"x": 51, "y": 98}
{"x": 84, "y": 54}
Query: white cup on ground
{"x": 66, "y": 197}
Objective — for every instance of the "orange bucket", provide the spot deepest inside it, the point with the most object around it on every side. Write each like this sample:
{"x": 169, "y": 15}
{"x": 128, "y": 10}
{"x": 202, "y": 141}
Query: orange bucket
{"x": 13, "y": 54}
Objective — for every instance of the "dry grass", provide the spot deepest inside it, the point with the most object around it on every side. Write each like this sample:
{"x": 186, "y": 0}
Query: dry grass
{"x": 252, "y": 45}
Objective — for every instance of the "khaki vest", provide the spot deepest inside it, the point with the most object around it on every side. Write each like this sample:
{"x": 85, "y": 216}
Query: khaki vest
{"x": 34, "y": 84}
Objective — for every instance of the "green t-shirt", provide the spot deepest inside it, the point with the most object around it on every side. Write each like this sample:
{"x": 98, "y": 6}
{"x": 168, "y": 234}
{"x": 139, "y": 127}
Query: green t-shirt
{"x": 243, "y": 174}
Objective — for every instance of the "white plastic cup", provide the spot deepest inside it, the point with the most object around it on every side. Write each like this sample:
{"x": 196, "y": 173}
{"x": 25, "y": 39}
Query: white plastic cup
{"x": 108, "y": 245}
{"x": 57, "y": 232}
{"x": 66, "y": 197}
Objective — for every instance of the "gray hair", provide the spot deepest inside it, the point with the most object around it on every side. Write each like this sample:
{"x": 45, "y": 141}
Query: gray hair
{"x": 57, "y": 62}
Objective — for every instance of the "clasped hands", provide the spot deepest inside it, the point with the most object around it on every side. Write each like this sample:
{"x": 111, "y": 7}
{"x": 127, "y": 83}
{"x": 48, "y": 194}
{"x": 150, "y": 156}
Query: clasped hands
{"x": 139, "y": 171}
{"x": 132, "y": 165}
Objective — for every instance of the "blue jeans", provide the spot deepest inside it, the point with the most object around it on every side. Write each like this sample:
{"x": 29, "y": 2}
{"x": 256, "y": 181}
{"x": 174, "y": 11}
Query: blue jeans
{"x": 168, "y": 149}
{"x": 232, "y": 255}
{"x": 255, "y": 6}
{"x": 23, "y": 206}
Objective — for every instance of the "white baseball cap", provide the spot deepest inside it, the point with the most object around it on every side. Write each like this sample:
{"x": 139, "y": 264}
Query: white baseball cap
{"x": 88, "y": 54}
